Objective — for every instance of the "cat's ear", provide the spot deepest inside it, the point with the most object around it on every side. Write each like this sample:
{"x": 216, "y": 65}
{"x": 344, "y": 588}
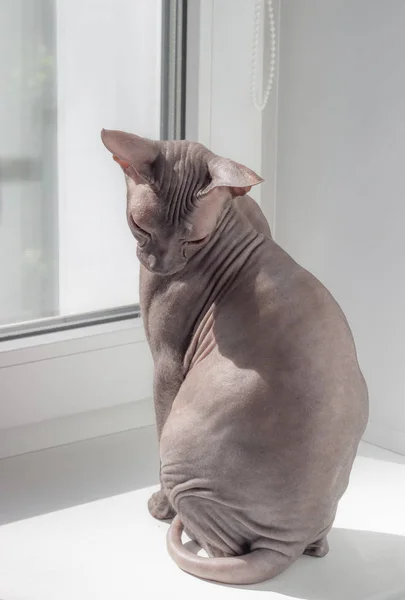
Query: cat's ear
{"x": 131, "y": 150}
{"x": 227, "y": 173}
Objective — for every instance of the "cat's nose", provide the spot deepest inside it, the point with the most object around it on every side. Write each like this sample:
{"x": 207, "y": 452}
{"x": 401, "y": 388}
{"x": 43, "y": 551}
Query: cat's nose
{"x": 152, "y": 261}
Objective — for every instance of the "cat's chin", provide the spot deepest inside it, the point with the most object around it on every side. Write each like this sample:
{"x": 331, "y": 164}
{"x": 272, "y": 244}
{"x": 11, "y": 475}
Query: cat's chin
{"x": 165, "y": 273}
{"x": 162, "y": 272}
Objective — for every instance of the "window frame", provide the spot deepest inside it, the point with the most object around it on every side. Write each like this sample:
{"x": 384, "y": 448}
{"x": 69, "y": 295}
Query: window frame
{"x": 172, "y": 126}
{"x": 69, "y": 378}
{"x": 77, "y": 361}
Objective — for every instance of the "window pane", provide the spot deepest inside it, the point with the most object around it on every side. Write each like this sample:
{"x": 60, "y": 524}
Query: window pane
{"x": 28, "y": 173}
{"x": 68, "y": 68}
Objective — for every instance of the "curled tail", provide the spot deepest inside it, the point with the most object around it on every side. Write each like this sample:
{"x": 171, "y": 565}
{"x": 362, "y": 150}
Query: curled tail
{"x": 257, "y": 566}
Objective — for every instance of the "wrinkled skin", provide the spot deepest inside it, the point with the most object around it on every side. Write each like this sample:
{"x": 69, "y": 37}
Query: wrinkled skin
{"x": 260, "y": 402}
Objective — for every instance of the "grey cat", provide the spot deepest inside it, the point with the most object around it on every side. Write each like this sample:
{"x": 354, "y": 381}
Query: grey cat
{"x": 260, "y": 402}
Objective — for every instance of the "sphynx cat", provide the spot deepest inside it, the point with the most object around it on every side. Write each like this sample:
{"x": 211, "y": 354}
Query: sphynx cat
{"x": 260, "y": 403}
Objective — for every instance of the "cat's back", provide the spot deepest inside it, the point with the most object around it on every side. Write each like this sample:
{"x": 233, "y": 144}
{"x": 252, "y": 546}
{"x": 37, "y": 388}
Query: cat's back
{"x": 276, "y": 296}
{"x": 281, "y": 322}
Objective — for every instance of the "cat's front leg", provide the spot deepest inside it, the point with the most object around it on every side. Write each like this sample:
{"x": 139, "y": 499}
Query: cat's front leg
{"x": 167, "y": 381}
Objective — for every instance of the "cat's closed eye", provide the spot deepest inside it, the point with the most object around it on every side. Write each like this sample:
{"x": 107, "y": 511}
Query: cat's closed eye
{"x": 141, "y": 235}
{"x": 199, "y": 241}
{"x": 138, "y": 227}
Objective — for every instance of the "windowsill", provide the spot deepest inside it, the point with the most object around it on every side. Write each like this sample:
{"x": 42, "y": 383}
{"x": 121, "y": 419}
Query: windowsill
{"x": 70, "y": 334}
{"x": 78, "y": 527}
{"x": 81, "y": 339}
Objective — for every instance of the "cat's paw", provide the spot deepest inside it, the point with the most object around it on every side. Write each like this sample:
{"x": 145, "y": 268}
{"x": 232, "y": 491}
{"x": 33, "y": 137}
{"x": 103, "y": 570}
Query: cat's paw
{"x": 160, "y": 507}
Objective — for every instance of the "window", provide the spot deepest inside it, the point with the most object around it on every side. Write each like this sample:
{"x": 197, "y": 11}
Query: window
{"x": 68, "y": 69}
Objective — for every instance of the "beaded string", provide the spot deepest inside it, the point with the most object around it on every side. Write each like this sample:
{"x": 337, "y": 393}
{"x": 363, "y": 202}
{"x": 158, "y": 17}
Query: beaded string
{"x": 272, "y": 66}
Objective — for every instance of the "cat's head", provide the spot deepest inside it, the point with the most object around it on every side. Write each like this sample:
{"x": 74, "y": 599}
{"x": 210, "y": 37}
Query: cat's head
{"x": 176, "y": 192}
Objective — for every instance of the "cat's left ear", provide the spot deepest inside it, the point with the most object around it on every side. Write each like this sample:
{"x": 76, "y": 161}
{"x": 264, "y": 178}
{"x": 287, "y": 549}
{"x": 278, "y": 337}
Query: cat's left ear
{"x": 131, "y": 150}
{"x": 227, "y": 173}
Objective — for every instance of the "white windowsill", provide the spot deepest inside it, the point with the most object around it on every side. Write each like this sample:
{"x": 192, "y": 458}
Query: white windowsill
{"x": 78, "y": 527}
{"x": 80, "y": 339}
{"x": 67, "y": 334}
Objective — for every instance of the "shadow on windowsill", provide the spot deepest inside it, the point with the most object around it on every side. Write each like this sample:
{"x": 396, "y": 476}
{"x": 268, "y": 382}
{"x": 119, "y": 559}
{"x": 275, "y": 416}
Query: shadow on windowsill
{"x": 42, "y": 482}
{"x": 361, "y": 565}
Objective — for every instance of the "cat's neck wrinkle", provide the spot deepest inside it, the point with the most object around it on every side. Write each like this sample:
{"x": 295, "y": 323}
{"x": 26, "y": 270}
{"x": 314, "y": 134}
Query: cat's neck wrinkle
{"x": 229, "y": 248}
{"x": 185, "y": 300}
{"x": 223, "y": 261}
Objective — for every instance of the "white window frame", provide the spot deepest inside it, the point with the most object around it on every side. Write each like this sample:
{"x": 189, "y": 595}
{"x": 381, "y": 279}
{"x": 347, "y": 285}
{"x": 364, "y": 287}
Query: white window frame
{"x": 67, "y": 385}
{"x": 47, "y": 376}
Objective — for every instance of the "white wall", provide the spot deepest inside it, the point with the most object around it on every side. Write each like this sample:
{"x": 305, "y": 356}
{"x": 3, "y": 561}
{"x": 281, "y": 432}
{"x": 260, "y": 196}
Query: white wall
{"x": 108, "y": 76}
{"x": 341, "y": 177}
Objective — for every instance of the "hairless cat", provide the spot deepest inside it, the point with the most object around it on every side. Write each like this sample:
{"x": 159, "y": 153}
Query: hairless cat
{"x": 260, "y": 402}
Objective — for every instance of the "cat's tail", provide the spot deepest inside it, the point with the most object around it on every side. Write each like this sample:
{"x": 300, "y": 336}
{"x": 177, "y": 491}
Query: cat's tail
{"x": 257, "y": 566}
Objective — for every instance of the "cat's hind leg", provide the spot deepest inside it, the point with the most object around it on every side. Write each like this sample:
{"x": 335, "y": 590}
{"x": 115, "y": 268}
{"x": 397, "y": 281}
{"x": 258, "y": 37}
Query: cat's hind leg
{"x": 159, "y": 506}
{"x": 318, "y": 549}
